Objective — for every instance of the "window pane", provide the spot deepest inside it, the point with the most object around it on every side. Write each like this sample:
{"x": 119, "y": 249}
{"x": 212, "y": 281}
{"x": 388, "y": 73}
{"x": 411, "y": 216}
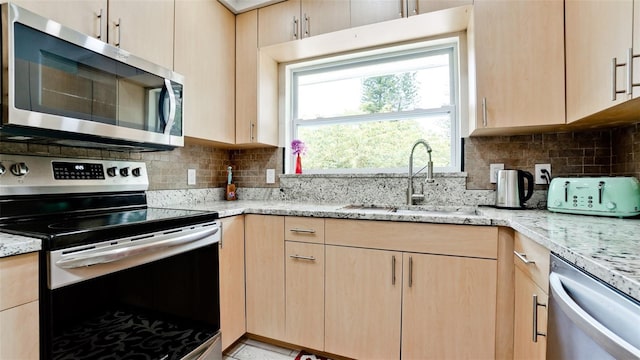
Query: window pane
{"x": 376, "y": 144}
{"x": 410, "y": 83}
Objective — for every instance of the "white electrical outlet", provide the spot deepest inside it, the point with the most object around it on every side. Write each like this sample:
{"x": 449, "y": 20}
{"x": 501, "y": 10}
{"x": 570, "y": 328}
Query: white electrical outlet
{"x": 271, "y": 176}
{"x": 539, "y": 179}
{"x": 493, "y": 172}
{"x": 191, "y": 176}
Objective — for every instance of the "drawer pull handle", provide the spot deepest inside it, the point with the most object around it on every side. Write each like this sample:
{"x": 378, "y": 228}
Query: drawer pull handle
{"x": 304, "y": 231}
{"x": 300, "y": 257}
{"x": 523, "y": 257}
{"x": 393, "y": 270}
{"x": 536, "y": 333}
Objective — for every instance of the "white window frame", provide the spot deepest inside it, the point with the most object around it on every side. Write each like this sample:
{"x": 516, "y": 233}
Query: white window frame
{"x": 448, "y": 45}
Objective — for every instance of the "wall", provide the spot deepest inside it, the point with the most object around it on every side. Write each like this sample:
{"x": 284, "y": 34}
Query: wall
{"x": 626, "y": 151}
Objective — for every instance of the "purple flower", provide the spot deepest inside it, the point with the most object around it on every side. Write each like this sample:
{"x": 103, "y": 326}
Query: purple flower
{"x": 298, "y": 147}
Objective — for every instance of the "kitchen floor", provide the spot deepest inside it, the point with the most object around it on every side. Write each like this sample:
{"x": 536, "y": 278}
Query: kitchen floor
{"x": 249, "y": 349}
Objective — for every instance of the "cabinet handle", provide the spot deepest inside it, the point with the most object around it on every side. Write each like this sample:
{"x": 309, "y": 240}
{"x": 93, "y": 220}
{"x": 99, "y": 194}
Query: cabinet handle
{"x": 251, "y": 132}
{"x": 99, "y": 16}
{"x": 410, "y": 271}
{"x": 304, "y": 231}
{"x": 402, "y": 7}
{"x": 614, "y": 84}
{"x": 536, "y": 333}
{"x": 300, "y": 257}
{"x": 630, "y": 83}
{"x": 295, "y": 28}
{"x": 117, "y": 43}
{"x": 393, "y": 270}
{"x": 484, "y": 112}
{"x": 221, "y": 235}
{"x": 307, "y": 26}
{"x": 523, "y": 257}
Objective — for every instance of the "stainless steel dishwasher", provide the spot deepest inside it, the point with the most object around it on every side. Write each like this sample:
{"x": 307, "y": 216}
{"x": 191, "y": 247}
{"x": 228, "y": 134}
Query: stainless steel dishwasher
{"x": 588, "y": 319}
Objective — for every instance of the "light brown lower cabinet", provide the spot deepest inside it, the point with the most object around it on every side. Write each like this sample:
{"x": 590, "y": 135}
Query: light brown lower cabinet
{"x": 19, "y": 309}
{"x": 265, "y": 269}
{"x": 304, "y": 294}
{"x": 232, "y": 291}
{"x": 410, "y": 291}
{"x": 363, "y": 299}
{"x": 448, "y": 307}
{"x": 527, "y": 329}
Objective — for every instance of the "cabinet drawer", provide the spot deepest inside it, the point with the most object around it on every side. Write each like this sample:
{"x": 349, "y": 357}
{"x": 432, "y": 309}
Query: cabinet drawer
{"x": 444, "y": 239}
{"x": 304, "y": 229}
{"x": 18, "y": 280}
{"x": 538, "y": 258}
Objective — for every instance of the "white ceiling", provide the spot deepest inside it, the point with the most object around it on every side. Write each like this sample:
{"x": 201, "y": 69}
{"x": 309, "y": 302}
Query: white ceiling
{"x": 239, "y": 6}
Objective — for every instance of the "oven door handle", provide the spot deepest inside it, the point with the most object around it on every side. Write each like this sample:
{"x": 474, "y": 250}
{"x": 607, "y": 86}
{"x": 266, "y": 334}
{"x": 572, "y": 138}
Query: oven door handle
{"x": 101, "y": 256}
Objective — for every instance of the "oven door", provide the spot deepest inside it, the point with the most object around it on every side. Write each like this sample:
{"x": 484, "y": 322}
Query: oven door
{"x": 158, "y": 303}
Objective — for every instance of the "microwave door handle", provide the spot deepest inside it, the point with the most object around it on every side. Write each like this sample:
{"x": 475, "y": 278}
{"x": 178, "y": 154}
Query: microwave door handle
{"x": 172, "y": 107}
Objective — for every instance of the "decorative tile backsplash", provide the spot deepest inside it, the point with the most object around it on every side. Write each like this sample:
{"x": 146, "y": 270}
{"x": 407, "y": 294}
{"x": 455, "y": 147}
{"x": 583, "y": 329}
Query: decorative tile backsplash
{"x": 598, "y": 152}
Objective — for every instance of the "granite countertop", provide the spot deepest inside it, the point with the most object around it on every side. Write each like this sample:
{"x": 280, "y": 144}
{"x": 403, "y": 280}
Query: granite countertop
{"x": 608, "y": 248}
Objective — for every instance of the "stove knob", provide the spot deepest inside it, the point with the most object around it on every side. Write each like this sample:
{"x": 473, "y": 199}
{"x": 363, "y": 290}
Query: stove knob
{"x": 136, "y": 172}
{"x": 2, "y": 169}
{"x": 124, "y": 171}
{"x": 611, "y": 205}
{"x": 111, "y": 172}
{"x": 19, "y": 169}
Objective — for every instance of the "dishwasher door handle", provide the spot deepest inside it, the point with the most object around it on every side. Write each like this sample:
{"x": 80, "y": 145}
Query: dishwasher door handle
{"x": 611, "y": 342}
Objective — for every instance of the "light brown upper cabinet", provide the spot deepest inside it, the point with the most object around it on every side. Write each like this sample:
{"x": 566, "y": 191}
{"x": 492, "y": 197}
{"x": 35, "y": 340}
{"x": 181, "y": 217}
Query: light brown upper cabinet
{"x": 416, "y": 7}
{"x": 596, "y": 33}
{"x": 87, "y": 16}
{"x": 298, "y": 19}
{"x": 256, "y": 87}
{"x": 142, "y": 28}
{"x": 205, "y": 55}
{"x": 516, "y": 66}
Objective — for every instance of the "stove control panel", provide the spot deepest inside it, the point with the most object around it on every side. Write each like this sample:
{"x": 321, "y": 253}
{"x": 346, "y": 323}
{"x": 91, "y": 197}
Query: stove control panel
{"x": 30, "y": 175}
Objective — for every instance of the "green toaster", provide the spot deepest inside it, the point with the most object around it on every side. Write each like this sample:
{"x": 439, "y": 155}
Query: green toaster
{"x": 617, "y": 196}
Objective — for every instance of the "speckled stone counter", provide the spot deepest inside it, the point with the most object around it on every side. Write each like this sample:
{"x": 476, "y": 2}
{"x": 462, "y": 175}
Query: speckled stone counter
{"x": 608, "y": 248}
{"x": 15, "y": 245}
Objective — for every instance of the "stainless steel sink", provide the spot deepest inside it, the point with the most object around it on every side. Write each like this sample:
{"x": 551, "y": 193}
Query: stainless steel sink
{"x": 409, "y": 210}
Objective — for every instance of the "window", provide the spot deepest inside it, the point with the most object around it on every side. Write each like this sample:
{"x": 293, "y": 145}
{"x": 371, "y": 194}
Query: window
{"x": 363, "y": 113}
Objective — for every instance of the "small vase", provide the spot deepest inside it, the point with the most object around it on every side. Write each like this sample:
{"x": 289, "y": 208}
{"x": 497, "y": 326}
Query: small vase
{"x": 298, "y": 165}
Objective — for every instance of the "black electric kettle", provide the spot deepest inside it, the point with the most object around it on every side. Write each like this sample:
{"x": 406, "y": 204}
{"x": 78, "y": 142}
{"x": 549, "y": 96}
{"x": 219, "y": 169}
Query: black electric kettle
{"x": 510, "y": 192}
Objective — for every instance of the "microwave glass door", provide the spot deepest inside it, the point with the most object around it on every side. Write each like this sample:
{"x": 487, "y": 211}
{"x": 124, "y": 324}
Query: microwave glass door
{"x": 60, "y": 78}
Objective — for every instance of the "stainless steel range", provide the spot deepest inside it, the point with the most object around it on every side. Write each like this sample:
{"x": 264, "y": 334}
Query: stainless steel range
{"x": 118, "y": 279}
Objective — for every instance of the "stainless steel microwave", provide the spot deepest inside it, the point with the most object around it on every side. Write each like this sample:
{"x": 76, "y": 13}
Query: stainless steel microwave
{"x": 62, "y": 87}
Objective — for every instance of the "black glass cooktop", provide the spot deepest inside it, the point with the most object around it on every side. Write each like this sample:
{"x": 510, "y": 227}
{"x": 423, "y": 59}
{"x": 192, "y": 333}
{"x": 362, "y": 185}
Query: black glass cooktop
{"x": 62, "y": 229}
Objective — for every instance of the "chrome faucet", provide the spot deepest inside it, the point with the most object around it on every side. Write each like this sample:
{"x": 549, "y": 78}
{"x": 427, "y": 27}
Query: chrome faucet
{"x": 410, "y": 195}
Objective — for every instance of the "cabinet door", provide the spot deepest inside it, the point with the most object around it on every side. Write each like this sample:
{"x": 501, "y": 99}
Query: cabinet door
{"x": 264, "y": 248}
{"x": 524, "y": 346}
{"x": 19, "y": 332}
{"x": 232, "y": 295}
{"x": 305, "y": 294}
{"x": 18, "y": 280}
{"x": 246, "y": 76}
{"x": 81, "y": 15}
{"x": 322, "y": 16}
{"x": 425, "y": 6}
{"x": 208, "y": 67}
{"x": 448, "y": 307}
{"x": 279, "y": 23}
{"x": 596, "y": 32}
{"x": 372, "y": 11}
{"x": 363, "y": 295}
{"x": 518, "y": 53}
{"x": 143, "y": 28}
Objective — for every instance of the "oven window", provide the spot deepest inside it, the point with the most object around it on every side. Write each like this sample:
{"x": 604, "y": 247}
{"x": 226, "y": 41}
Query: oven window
{"x": 59, "y": 78}
{"x": 163, "y": 309}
